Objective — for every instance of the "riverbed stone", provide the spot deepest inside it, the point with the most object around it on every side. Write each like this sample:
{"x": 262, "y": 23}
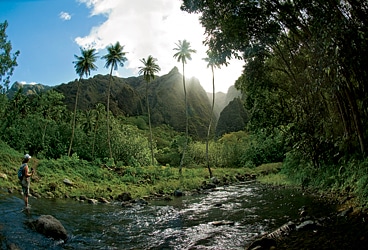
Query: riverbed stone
{"x": 126, "y": 196}
{"x": 262, "y": 243}
{"x": 92, "y": 201}
{"x": 223, "y": 223}
{"x": 50, "y": 227}
{"x": 103, "y": 200}
{"x": 178, "y": 193}
{"x": 307, "y": 225}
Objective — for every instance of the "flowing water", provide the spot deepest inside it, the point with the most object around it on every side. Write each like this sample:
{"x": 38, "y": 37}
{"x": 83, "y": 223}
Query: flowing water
{"x": 183, "y": 223}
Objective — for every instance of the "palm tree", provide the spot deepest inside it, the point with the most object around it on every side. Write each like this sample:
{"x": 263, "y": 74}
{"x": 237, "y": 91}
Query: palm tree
{"x": 212, "y": 62}
{"x": 83, "y": 66}
{"x": 148, "y": 70}
{"x": 184, "y": 53}
{"x": 114, "y": 58}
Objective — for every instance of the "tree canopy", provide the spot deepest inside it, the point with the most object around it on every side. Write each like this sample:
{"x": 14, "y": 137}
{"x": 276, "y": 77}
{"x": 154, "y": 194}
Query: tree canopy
{"x": 8, "y": 60}
{"x": 303, "y": 68}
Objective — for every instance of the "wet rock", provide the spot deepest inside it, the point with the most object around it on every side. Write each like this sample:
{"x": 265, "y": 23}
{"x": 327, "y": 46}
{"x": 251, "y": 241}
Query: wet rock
{"x": 206, "y": 185}
{"x": 283, "y": 230}
{"x": 240, "y": 177}
{"x": 345, "y": 212}
{"x": 141, "y": 202}
{"x": 262, "y": 244}
{"x": 124, "y": 197}
{"x": 215, "y": 181}
{"x": 223, "y": 222}
{"x": 307, "y": 225}
{"x": 126, "y": 204}
{"x": 167, "y": 198}
{"x": 82, "y": 198}
{"x": 50, "y": 227}
{"x": 92, "y": 201}
{"x": 178, "y": 193}
{"x": 103, "y": 200}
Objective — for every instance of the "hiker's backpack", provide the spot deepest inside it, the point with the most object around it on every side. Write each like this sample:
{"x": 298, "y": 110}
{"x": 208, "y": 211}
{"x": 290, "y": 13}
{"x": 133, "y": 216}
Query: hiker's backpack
{"x": 20, "y": 172}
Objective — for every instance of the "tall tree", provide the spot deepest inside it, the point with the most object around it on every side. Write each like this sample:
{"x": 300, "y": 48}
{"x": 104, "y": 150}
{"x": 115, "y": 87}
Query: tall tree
{"x": 114, "y": 58}
{"x": 212, "y": 62}
{"x": 7, "y": 60}
{"x": 182, "y": 55}
{"x": 83, "y": 66}
{"x": 148, "y": 70}
{"x": 312, "y": 75}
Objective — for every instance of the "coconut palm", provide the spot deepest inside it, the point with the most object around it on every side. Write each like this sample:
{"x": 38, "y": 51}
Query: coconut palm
{"x": 212, "y": 62}
{"x": 183, "y": 54}
{"x": 148, "y": 70}
{"x": 83, "y": 66}
{"x": 114, "y": 58}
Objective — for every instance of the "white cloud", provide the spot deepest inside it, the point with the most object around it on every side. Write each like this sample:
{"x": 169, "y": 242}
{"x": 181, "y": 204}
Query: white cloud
{"x": 29, "y": 83}
{"x": 152, "y": 28}
{"x": 65, "y": 16}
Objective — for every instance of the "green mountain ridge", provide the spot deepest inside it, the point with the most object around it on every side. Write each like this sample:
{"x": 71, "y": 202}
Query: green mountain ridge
{"x": 128, "y": 98}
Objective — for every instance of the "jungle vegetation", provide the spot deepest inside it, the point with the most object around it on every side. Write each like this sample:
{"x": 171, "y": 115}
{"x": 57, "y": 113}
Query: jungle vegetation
{"x": 304, "y": 100}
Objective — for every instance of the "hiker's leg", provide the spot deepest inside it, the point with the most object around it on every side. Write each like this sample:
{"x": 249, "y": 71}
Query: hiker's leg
{"x": 26, "y": 200}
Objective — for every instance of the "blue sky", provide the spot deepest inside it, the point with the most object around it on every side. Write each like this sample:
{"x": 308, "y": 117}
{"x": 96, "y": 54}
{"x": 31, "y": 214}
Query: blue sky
{"x": 48, "y": 33}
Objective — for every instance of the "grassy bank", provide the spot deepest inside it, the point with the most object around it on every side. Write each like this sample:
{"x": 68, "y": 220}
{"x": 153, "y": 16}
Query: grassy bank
{"x": 101, "y": 179}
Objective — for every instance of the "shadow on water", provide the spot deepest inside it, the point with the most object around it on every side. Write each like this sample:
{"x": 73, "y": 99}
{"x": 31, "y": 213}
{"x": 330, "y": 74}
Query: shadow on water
{"x": 183, "y": 223}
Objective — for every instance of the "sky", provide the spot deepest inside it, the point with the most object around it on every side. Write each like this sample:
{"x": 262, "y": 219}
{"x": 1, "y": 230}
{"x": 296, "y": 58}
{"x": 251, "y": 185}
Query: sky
{"x": 48, "y": 33}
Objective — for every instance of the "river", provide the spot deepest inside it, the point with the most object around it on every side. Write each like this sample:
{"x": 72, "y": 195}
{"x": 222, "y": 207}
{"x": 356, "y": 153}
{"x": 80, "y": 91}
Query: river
{"x": 183, "y": 223}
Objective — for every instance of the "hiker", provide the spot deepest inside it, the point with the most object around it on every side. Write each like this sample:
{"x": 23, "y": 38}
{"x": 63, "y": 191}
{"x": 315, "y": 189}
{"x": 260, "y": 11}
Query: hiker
{"x": 26, "y": 179}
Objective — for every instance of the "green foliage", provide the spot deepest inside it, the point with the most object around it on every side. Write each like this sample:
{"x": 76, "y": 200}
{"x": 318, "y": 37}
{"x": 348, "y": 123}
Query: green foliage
{"x": 264, "y": 147}
{"x": 8, "y": 61}
{"x": 299, "y": 76}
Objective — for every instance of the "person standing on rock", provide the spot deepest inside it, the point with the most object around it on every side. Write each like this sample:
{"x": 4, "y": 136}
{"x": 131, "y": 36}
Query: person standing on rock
{"x": 26, "y": 180}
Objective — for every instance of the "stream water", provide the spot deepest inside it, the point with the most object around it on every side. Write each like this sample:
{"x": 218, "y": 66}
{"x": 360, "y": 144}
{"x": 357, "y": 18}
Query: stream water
{"x": 183, "y": 223}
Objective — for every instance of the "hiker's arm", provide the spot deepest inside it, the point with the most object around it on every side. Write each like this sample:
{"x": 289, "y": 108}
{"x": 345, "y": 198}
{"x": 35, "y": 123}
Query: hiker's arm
{"x": 27, "y": 173}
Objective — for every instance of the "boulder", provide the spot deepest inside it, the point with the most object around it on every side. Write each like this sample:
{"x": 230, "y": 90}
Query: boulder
{"x": 307, "y": 225}
{"x": 68, "y": 182}
{"x": 50, "y": 227}
{"x": 263, "y": 243}
{"x": 223, "y": 223}
{"x": 178, "y": 193}
{"x": 103, "y": 200}
{"x": 82, "y": 198}
{"x": 140, "y": 202}
{"x": 215, "y": 181}
{"x": 345, "y": 212}
{"x": 92, "y": 201}
{"x": 124, "y": 197}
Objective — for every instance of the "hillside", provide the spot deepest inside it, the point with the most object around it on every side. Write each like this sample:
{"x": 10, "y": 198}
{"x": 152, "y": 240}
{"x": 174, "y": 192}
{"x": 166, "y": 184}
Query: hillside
{"x": 128, "y": 98}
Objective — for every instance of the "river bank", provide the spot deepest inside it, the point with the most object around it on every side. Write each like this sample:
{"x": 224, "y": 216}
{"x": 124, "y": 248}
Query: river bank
{"x": 345, "y": 228}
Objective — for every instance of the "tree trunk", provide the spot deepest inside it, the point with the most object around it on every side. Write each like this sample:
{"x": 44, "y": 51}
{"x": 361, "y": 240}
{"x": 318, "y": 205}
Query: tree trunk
{"x": 150, "y": 127}
{"x": 186, "y": 125}
{"x": 209, "y": 126}
{"x": 108, "y": 113}
{"x": 75, "y": 113}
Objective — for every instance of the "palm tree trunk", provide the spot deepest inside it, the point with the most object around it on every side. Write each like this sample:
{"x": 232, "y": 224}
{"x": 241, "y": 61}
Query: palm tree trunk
{"x": 108, "y": 114}
{"x": 75, "y": 113}
{"x": 186, "y": 125}
{"x": 209, "y": 126}
{"x": 149, "y": 124}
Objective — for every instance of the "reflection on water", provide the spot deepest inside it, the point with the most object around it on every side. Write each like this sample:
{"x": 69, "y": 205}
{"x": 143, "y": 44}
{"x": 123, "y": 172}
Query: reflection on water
{"x": 184, "y": 223}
